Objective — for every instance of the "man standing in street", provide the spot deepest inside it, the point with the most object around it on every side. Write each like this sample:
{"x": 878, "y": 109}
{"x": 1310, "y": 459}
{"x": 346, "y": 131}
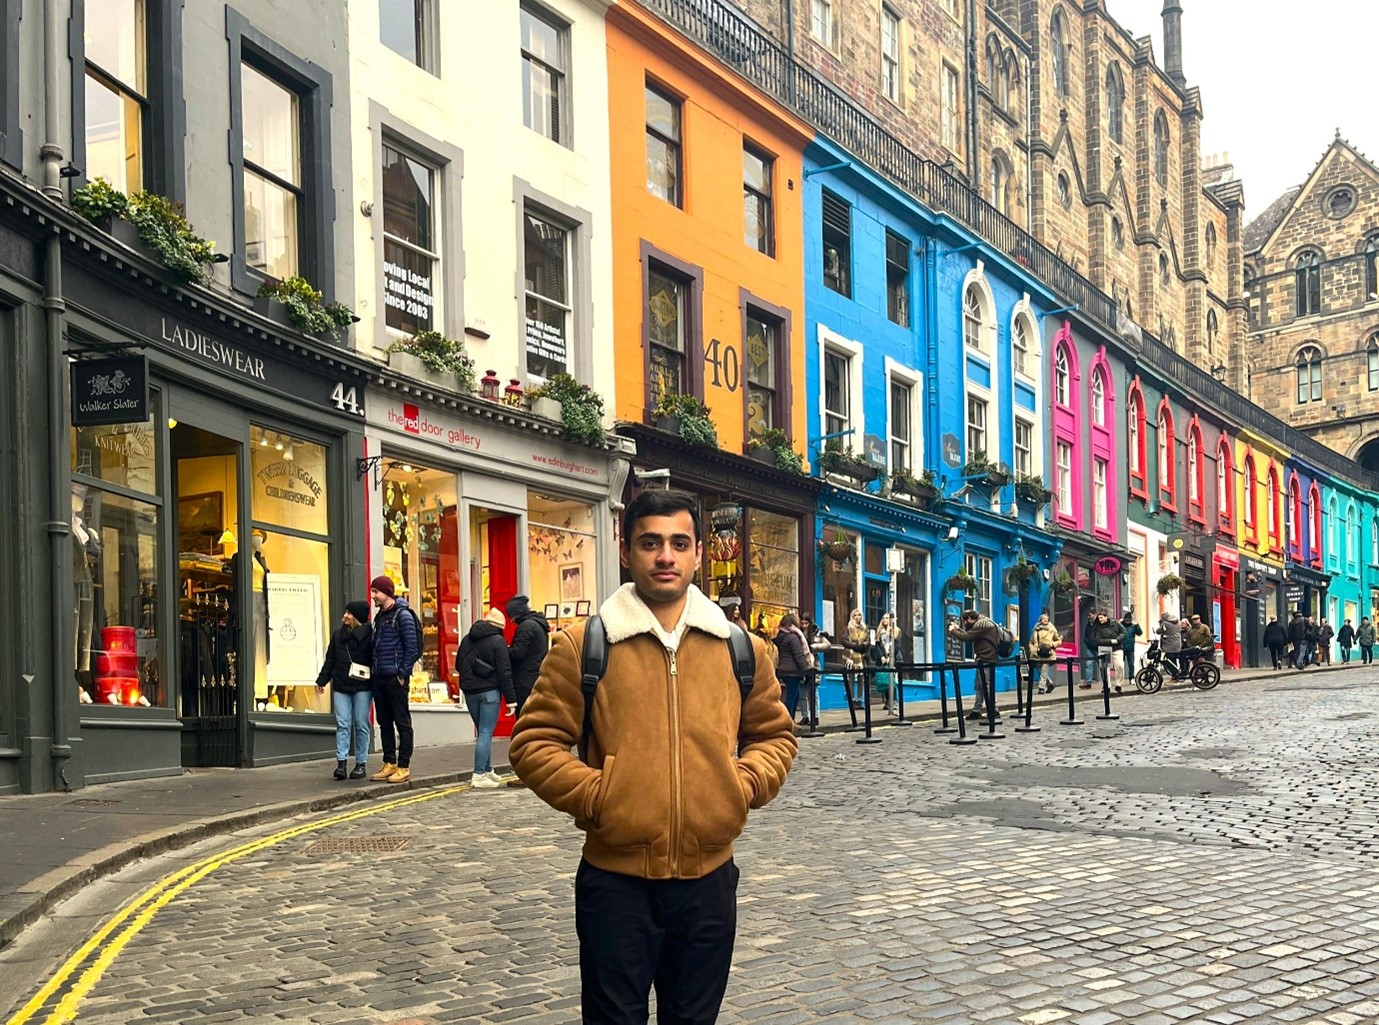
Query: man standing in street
{"x": 1297, "y": 637}
{"x": 396, "y": 648}
{"x": 1275, "y": 637}
{"x": 979, "y": 631}
{"x": 660, "y": 794}
{"x": 1364, "y": 637}
{"x": 530, "y": 642}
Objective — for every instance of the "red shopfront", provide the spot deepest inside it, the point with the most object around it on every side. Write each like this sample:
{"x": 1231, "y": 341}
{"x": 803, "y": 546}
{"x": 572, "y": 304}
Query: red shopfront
{"x": 1225, "y": 575}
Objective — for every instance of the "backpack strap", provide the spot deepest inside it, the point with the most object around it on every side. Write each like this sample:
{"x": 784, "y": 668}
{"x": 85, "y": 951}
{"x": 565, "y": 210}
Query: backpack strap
{"x": 593, "y": 663}
{"x": 744, "y": 666}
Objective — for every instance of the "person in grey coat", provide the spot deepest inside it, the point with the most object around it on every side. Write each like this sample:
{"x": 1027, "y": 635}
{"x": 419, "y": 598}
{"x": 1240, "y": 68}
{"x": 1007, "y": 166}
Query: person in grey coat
{"x": 1364, "y": 637}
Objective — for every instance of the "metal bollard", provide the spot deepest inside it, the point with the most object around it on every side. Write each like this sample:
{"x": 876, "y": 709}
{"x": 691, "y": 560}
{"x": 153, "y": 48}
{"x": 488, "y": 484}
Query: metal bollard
{"x": 1072, "y": 719}
{"x": 867, "y": 738}
{"x": 1106, "y": 689}
{"x": 850, "y": 677}
{"x": 943, "y": 702}
{"x": 900, "y": 719}
{"x": 962, "y": 737}
{"x": 1019, "y": 694}
{"x": 989, "y": 689}
{"x": 1029, "y": 703}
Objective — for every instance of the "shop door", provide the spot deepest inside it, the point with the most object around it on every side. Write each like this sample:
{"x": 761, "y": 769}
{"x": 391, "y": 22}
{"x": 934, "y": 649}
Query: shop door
{"x": 493, "y": 559}
{"x": 1230, "y": 631}
{"x": 205, "y": 479}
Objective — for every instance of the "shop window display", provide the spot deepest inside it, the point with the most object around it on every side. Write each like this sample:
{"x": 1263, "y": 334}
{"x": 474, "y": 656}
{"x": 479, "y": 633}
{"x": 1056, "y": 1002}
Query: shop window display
{"x": 116, "y": 565}
{"x": 562, "y": 548}
{"x": 773, "y": 566}
{"x": 421, "y": 553}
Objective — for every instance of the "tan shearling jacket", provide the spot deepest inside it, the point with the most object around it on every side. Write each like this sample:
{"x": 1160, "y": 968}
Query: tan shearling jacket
{"x": 670, "y": 794}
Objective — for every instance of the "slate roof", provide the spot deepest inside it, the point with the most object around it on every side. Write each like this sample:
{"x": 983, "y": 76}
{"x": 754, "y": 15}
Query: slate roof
{"x": 1257, "y": 232}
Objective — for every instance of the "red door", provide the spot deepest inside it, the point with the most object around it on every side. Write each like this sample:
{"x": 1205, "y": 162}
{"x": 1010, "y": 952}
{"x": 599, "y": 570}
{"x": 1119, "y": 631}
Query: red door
{"x": 502, "y": 585}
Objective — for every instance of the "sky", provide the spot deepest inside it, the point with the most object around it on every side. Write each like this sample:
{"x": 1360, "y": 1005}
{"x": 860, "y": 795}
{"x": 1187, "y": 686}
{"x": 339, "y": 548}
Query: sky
{"x": 1277, "y": 79}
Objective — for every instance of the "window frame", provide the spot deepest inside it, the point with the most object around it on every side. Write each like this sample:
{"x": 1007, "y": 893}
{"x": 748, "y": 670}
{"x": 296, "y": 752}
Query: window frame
{"x": 1372, "y": 362}
{"x": 974, "y": 432}
{"x": 1137, "y": 441}
{"x": 979, "y": 568}
{"x": 1063, "y": 475}
{"x": 1273, "y": 498}
{"x": 783, "y": 399}
{"x": 677, "y": 101}
{"x": 565, "y": 130}
{"x": 892, "y": 86}
{"x": 1294, "y": 519}
{"x": 827, "y": 20}
{"x": 1101, "y": 497}
{"x": 1225, "y": 487}
{"x": 912, "y": 381}
{"x": 1308, "y": 364}
{"x": 313, "y": 87}
{"x": 427, "y": 19}
{"x": 1307, "y": 283}
{"x": 1168, "y": 462}
{"x": 1115, "y": 103}
{"x": 844, "y": 277}
{"x": 1314, "y": 508}
{"x": 1196, "y": 473}
{"x": 765, "y": 200}
{"x": 1250, "y": 514}
{"x": 897, "y": 275}
{"x": 950, "y": 108}
{"x": 1162, "y": 141}
{"x": 692, "y": 277}
{"x": 1059, "y": 70}
{"x": 853, "y": 356}
{"x": 164, "y": 131}
{"x": 1020, "y": 334}
{"x": 447, "y": 165}
{"x": 1370, "y": 254}
{"x": 1017, "y": 449}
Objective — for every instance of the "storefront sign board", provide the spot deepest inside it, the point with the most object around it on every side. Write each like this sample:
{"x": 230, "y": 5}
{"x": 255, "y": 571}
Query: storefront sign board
{"x": 109, "y": 391}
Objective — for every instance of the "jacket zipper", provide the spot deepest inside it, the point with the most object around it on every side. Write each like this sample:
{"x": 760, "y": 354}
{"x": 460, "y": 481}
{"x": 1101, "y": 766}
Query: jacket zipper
{"x": 673, "y": 680}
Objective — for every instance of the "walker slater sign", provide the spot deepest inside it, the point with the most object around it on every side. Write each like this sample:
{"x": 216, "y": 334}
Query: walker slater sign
{"x": 109, "y": 391}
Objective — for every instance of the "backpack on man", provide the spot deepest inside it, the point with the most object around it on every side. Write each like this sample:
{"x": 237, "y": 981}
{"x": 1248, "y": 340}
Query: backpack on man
{"x": 594, "y": 663}
{"x": 1005, "y": 642}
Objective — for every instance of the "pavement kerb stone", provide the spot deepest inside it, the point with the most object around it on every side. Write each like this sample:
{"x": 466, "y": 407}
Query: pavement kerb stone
{"x": 54, "y": 887}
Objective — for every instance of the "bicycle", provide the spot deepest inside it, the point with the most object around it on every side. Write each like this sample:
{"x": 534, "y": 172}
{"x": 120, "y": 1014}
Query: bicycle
{"x": 1201, "y": 671}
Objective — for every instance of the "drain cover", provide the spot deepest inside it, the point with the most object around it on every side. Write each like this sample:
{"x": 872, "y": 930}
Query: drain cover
{"x": 359, "y": 845}
{"x": 91, "y": 802}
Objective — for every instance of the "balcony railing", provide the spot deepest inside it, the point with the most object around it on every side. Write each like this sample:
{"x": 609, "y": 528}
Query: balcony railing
{"x": 739, "y": 44}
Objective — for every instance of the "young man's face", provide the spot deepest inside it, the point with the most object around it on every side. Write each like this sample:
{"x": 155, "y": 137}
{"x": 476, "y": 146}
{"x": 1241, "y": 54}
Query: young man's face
{"x": 662, "y": 555}
{"x": 380, "y": 600}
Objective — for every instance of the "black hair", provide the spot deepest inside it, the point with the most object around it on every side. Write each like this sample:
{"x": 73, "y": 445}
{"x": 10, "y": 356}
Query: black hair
{"x": 654, "y": 502}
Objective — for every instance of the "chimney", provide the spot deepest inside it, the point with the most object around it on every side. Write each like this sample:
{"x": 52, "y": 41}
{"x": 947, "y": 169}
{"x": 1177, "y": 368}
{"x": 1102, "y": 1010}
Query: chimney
{"x": 1173, "y": 43}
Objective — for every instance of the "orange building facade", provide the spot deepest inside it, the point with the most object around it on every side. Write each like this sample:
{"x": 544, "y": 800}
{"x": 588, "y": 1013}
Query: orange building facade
{"x": 708, "y": 297}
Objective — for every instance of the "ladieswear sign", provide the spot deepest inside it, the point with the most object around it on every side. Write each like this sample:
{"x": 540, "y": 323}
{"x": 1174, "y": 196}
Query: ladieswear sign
{"x": 113, "y": 390}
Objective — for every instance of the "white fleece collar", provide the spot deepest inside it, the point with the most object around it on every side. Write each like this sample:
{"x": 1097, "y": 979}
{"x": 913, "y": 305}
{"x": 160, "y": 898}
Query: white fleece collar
{"x": 625, "y": 615}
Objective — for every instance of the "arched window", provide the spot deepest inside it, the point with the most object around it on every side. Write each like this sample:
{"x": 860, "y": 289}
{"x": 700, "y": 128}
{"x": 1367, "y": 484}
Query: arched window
{"x": 1168, "y": 474}
{"x": 992, "y": 60}
{"x": 972, "y": 317}
{"x": 1374, "y": 542}
{"x": 1000, "y": 184}
{"x": 1275, "y": 507}
{"x": 1058, "y": 36}
{"x": 1003, "y": 83}
{"x": 1225, "y": 504}
{"x": 1307, "y": 283}
{"x": 1372, "y": 362}
{"x": 1252, "y": 307}
{"x": 1213, "y": 329}
{"x": 1350, "y": 546}
{"x": 1016, "y": 94}
{"x": 1019, "y": 344}
{"x": 1161, "y": 148}
{"x": 1251, "y": 497}
{"x": 1163, "y": 269}
{"x": 1372, "y": 269}
{"x": 1062, "y": 378}
{"x": 1294, "y": 524}
{"x": 1314, "y": 510}
{"x": 1098, "y": 398}
{"x": 1135, "y": 433}
{"x": 1309, "y": 364}
{"x": 1333, "y": 542}
{"x": 1210, "y": 241}
{"x": 1115, "y": 103}
{"x": 1196, "y": 459}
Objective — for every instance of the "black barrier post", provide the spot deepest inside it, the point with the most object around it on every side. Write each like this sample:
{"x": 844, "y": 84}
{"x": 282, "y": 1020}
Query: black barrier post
{"x": 1019, "y": 694}
{"x": 943, "y": 702}
{"x": 989, "y": 688}
{"x": 962, "y": 737}
{"x": 1072, "y": 719}
{"x": 1029, "y": 703}
{"x": 811, "y": 705}
{"x": 850, "y": 674}
{"x": 1106, "y": 689}
{"x": 900, "y": 719}
{"x": 866, "y": 707}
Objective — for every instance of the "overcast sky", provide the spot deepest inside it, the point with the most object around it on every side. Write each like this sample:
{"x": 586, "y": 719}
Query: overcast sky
{"x": 1277, "y": 80}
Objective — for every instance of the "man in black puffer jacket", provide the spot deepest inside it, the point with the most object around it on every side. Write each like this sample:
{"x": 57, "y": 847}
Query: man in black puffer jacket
{"x": 485, "y": 669}
{"x": 529, "y": 646}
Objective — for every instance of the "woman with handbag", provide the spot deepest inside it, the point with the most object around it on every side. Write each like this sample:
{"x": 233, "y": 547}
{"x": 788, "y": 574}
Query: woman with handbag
{"x": 485, "y": 670}
{"x": 795, "y": 661}
{"x": 348, "y": 671}
{"x": 856, "y": 646}
{"x": 1043, "y": 644}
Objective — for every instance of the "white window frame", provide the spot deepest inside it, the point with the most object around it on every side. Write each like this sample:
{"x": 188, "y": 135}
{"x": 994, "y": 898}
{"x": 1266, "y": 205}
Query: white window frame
{"x": 1101, "y": 516}
{"x": 1020, "y": 327}
{"x": 950, "y": 109}
{"x": 853, "y": 351}
{"x": 1062, "y": 378}
{"x": 823, "y": 26}
{"x": 892, "y": 32}
{"x": 1098, "y": 396}
{"x": 914, "y": 380}
{"x": 1063, "y": 475}
{"x": 1374, "y": 542}
{"x": 1194, "y": 493}
{"x": 973, "y": 432}
{"x": 1134, "y": 407}
{"x": 1028, "y": 450}
{"x": 979, "y": 569}
{"x": 1223, "y": 486}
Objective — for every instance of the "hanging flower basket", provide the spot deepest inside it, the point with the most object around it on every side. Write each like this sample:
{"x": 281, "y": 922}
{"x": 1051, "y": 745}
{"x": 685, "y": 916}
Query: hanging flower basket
{"x": 1023, "y": 571}
{"x": 840, "y": 549}
{"x": 1065, "y": 585}
{"x": 1168, "y": 583}
{"x": 961, "y": 582}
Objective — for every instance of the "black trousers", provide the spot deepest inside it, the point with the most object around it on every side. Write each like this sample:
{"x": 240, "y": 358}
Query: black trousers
{"x": 394, "y": 721}
{"x": 675, "y": 934}
{"x": 523, "y": 692}
{"x": 1276, "y": 652}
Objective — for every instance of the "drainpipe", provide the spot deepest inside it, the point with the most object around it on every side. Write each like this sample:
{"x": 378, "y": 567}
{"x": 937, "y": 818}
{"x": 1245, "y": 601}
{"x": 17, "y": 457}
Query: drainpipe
{"x": 790, "y": 28}
{"x": 59, "y": 524}
{"x": 1029, "y": 145}
{"x": 974, "y": 164}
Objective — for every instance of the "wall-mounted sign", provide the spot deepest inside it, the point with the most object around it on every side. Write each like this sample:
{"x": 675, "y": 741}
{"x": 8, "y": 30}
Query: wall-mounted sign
{"x": 1108, "y": 566}
{"x": 109, "y": 391}
{"x": 1292, "y": 594}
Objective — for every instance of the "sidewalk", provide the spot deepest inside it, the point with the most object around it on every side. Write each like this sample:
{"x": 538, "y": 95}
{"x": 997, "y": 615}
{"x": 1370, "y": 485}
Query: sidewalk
{"x": 57, "y": 843}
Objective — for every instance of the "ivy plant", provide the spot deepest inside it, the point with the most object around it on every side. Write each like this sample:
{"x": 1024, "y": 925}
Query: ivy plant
{"x": 304, "y": 306}
{"x": 440, "y": 354}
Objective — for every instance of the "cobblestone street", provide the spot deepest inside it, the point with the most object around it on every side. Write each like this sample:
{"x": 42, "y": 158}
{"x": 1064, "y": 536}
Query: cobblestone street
{"x": 1211, "y": 857}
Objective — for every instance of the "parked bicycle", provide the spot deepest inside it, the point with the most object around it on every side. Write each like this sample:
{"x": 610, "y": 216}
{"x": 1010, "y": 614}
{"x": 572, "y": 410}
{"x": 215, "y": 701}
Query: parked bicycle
{"x": 1200, "y": 668}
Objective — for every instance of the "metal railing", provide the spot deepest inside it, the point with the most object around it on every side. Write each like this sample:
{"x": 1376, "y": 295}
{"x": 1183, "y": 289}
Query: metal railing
{"x": 738, "y": 43}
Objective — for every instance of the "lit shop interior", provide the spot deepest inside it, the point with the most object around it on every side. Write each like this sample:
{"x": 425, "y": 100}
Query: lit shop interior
{"x": 424, "y": 555}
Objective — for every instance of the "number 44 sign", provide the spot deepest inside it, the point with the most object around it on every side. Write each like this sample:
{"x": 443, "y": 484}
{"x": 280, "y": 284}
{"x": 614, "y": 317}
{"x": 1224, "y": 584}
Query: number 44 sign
{"x": 346, "y": 399}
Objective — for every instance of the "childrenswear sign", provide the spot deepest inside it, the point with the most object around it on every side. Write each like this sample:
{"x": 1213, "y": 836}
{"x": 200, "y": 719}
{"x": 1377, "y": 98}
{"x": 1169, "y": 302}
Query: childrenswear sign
{"x": 109, "y": 391}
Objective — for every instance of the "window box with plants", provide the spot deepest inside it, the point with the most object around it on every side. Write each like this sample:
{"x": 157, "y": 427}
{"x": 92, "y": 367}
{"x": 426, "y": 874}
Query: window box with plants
{"x": 1031, "y": 490}
{"x": 840, "y": 462}
{"x": 683, "y": 414}
{"x": 772, "y": 447}
{"x": 151, "y": 222}
{"x": 581, "y": 408}
{"x": 430, "y": 356}
{"x": 304, "y": 306}
{"x": 979, "y": 470}
{"x": 923, "y": 490}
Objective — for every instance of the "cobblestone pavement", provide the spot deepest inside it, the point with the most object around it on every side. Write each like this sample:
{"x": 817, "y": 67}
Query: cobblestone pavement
{"x": 1210, "y": 858}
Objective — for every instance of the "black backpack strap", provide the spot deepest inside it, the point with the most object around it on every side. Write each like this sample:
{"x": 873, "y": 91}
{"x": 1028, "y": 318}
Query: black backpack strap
{"x": 744, "y": 665}
{"x": 593, "y": 663}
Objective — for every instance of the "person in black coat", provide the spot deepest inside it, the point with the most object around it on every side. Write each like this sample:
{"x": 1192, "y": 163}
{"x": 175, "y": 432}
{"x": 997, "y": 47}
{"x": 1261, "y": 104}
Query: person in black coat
{"x": 348, "y": 671}
{"x": 485, "y": 670}
{"x": 1297, "y": 637}
{"x": 1345, "y": 637}
{"x": 529, "y": 646}
{"x": 1275, "y": 638}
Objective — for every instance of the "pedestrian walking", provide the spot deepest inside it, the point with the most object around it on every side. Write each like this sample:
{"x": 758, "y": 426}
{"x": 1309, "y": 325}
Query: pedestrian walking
{"x": 530, "y": 641}
{"x": 660, "y": 795}
{"x": 348, "y": 671}
{"x": 396, "y": 648}
{"x": 981, "y": 632}
{"x": 1275, "y": 639}
{"x": 1364, "y": 637}
{"x": 883, "y": 656}
{"x": 795, "y": 661}
{"x": 1324, "y": 635}
{"x": 1127, "y": 647}
{"x": 1345, "y": 637}
{"x": 1297, "y": 639}
{"x": 485, "y": 670}
{"x": 856, "y": 646}
{"x": 1089, "y": 649}
{"x": 1311, "y": 641}
{"x": 1043, "y": 644}
{"x": 1109, "y": 636}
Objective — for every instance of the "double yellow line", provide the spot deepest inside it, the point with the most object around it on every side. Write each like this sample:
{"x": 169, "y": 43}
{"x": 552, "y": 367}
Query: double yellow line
{"x": 127, "y": 923}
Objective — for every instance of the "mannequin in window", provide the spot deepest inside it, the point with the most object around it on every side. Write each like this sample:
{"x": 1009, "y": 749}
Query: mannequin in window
{"x": 86, "y": 550}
